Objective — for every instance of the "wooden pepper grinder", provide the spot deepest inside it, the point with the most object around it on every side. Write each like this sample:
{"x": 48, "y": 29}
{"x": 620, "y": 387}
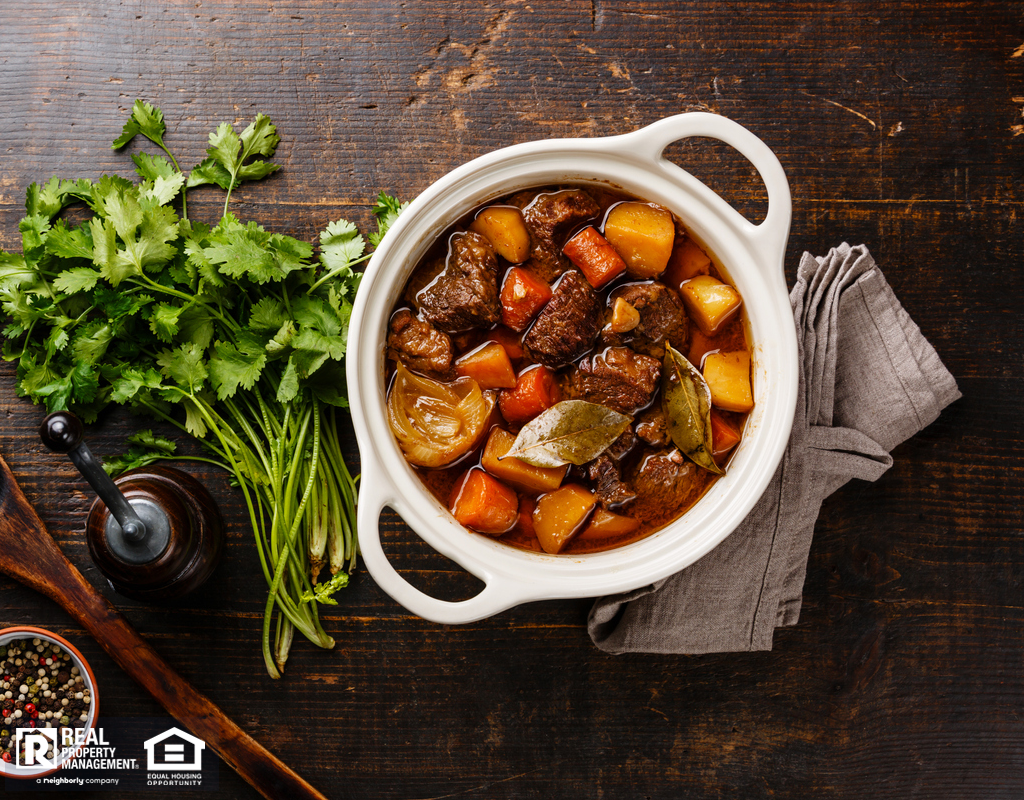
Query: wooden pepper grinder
{"x": 155, "y": 532}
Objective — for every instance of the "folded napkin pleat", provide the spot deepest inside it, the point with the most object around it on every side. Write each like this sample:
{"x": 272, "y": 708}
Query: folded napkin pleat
{"x": 869, "y": 380}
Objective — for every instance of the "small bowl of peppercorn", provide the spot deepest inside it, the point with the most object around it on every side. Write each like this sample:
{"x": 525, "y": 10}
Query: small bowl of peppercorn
{"x": 45, "y": 683}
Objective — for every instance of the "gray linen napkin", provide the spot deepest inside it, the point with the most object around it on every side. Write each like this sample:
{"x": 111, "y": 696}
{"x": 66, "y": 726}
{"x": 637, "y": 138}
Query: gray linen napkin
{"x": 869, "y": 380}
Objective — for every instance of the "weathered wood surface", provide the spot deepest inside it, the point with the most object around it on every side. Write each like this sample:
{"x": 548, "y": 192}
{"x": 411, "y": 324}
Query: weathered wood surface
{"x": 899, "y": 125}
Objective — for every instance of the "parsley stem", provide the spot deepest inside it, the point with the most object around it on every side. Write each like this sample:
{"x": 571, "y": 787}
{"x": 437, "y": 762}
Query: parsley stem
{"x": 289, "y": 541}
{"x": 328, "y": 275}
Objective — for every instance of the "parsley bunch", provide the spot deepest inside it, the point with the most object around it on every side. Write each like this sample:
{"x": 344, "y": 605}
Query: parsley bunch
{"x": 231, "y": 333}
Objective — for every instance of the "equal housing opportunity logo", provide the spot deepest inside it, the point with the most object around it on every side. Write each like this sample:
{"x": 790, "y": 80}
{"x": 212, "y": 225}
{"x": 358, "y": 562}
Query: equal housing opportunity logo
{"x": 174, "y": 758}
{"x": 174, "y": 750}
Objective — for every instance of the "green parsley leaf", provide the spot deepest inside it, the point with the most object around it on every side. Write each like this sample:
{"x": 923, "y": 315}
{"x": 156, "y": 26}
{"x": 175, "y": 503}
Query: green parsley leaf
{"x": 146, "y": 438}
{"x": 288, "y": 389}
{"x": 282, "y": 339}
{"x": 69, "y": 242}
{"x": 145, "y": 119}
{"x": 259, "y": 138}
{"x": 387, "y": 210}
{"x": 340, "y": 247}
{"x": 225, "y": 147}
{"x": 80, "y": 384}
{"x": 267, "y": 314}
{"x": 162, "y": 189}
{"x": 76, "y": 279}
{"x": 323, "y": 592}
{"x": 196, "y": 325}
{"x": 231, "y": 152}
{"x": 195, "y": 423}
{"x": 56, "y": 341}
{"x": 34, "y": 230}
{"x": 46, "y": 200}
{"x": 91, "y": 341}
{"x": 163, "y": 321}
{"x": 231, "y": 368}
{"x": 314, "y": 313}
{"x": 185, "y": 366}
{"x": 132, "y": 381}
{"x": 208, "y": 171}
{"x": 150, "y": 167}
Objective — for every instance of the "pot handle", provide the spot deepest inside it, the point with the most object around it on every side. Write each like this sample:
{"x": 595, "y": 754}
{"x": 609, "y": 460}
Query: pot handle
{"x": 771, "y": 235}
{"x": 375, "y": 494}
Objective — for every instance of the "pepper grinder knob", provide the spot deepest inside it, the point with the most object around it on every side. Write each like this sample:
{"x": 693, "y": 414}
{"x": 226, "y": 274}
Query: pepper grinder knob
{"x": 62, "y": 432}
{"x": 156, "y": 540}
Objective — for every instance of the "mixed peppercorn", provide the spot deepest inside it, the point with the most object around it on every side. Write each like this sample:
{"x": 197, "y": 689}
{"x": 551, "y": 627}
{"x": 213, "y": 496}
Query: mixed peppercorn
{"x": 40, "y": 687}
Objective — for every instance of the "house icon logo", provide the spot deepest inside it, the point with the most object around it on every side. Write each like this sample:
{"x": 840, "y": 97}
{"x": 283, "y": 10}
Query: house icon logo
{"x": 174, "y": 751}
{"x": 32, "y": 745}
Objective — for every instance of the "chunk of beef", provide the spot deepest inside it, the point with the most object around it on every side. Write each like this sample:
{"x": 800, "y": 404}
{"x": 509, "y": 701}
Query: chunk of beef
{"x": 617, "y": 378}
{"x": 465, "y": 294}
{"x": 567, "y": 326}
{"x": 662, "y": 319}
{"x": 419, "y": 345}
{"x": 425, "y": 274}
{"x": 609, "y": 488}
{"x": 652, "y": 427}
{"x": 551, "y": 217}
{"x": 665, "y": 484}
{"x": 622, "y": 446}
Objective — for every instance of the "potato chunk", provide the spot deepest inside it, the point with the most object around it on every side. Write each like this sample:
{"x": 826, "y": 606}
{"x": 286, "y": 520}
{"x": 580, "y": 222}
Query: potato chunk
{"x": 710, "y": 302}
{"x": 504, "y": 228}
{"x": 728, "y": 378}
{"x": 625, "y": 317}
{"x": 643, "y": 235}
{"x": 560, "y": 514}
{"x": 518, "y": 473}
{"x": 687, "y": 261}
{"x": 606, "y": 525}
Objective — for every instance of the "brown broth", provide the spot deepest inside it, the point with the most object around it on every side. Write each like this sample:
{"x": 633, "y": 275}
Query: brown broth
{"x": 732, "y": 337}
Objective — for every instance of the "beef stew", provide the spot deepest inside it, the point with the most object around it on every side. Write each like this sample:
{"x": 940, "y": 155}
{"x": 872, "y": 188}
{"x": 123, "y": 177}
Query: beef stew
{"x": 536, "y": 302}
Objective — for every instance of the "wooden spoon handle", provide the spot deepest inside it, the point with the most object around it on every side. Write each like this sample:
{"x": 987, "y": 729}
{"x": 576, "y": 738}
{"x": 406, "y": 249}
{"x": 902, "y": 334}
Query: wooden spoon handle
{"x": 30, "y": 555}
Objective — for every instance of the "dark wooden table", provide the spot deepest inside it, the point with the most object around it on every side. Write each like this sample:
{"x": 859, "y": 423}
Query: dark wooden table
{"x": 899, "y": 125}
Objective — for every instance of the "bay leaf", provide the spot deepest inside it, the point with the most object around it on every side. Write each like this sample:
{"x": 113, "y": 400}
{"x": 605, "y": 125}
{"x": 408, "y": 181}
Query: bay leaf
{"x": 570, "y": 432}
{"x": 686, "y": 401}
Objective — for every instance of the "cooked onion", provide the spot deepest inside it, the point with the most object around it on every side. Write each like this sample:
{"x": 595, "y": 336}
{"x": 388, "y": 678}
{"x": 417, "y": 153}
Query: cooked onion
{"x": 436, "y": 423}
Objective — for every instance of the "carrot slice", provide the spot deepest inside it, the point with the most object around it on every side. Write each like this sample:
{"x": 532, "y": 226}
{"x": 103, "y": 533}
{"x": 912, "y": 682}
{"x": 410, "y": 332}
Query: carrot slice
{"x": 724, "y": 434}
{"x": 523, "y": 294}
{"x": 597, "y": 259}
{"x": 489, "y": 366}
{"x": 484, "y": 503}
{"x": 535, "y": 390}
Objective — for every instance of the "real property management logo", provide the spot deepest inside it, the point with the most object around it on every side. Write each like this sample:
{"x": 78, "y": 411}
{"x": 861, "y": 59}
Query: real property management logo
{"x": 32, "y": 744}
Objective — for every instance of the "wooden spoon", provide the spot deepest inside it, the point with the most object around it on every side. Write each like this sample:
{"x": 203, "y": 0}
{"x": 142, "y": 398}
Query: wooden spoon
{"x": 30, "y": 555}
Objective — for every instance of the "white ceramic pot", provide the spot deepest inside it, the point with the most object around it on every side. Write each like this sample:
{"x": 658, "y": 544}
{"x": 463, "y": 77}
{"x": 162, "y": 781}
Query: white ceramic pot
{"x": 753, "y": 258}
